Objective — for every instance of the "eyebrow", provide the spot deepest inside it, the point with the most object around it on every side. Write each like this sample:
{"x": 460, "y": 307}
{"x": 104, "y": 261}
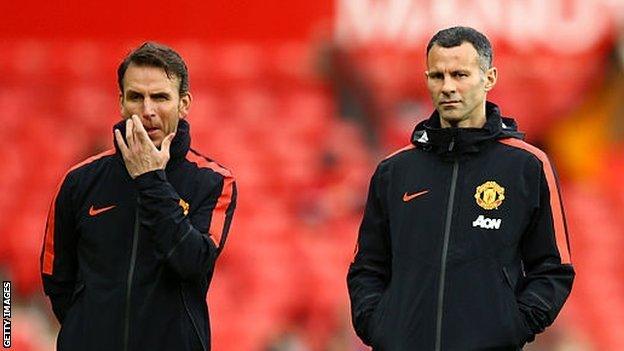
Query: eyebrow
{"x": 459, "y": 70}
{"x": 158, "y": 94}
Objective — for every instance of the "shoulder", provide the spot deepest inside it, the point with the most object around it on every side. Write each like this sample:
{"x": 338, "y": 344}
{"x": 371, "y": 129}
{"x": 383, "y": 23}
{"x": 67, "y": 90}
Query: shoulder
{"x": 527, "y": 151}
{"x": 212, "y": 175}
{"x": 76, "y": 173}
{"x": 400, "y": 151}
{"x": 402, "y": 157}
{"x": 85, "y": 166}
{"x": 208, "y": 167}
{"x": 398, "y": 155}
{"x": 399, "y": 158}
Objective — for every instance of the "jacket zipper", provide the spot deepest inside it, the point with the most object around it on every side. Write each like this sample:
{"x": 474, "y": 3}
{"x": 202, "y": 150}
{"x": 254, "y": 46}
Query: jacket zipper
{"x": 447, "y": 234}
{"x": 192, "y": 320}
{"x": 135, "y": 239}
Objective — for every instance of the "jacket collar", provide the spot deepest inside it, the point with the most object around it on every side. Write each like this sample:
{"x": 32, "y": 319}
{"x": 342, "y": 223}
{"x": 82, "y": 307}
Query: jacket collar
{"x": 429, "y": 135}
{"x": 180, "y": 144}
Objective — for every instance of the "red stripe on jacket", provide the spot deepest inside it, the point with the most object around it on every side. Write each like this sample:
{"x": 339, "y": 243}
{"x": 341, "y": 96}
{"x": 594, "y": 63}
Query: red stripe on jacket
{"x": 555, "y": 200}
{"x": 408, "y": 147}
{"x": 219, "y": 215}
{"x": 47, "y": 265}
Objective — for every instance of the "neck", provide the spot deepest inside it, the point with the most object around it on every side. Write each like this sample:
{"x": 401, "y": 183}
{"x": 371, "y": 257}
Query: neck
{"x": 466, "y": 123}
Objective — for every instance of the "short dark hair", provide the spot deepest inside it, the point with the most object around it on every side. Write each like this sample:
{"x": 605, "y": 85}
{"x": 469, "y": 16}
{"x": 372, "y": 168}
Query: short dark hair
{"x": 455, "y": 36}
{"x": 156, "y": 55}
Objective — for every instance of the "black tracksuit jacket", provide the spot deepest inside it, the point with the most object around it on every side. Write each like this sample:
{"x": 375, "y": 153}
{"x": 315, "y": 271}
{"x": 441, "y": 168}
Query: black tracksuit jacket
{"x": 127, "y": 263}
{"x": 463, "y": 243}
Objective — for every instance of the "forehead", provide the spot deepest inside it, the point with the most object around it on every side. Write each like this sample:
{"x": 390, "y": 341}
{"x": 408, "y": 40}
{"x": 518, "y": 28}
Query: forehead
{"x": 462, "y": 56}
{"x": 149, "y": 78}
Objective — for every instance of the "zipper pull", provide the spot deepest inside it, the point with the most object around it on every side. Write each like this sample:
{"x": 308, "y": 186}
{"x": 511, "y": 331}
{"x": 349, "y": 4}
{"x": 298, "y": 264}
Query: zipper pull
{"x": 451, "y": 144}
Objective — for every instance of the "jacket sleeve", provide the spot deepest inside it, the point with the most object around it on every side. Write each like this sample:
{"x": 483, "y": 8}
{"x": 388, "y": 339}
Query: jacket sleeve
{"x": 58, "y": 256}
{"x": 190, "y": 246}
{"x": 545, "y": 255}
{"x": 369, "y": 273}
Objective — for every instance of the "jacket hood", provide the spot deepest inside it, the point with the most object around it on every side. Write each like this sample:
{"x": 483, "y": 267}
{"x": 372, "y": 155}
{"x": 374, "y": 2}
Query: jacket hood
{"x": 180, "y": 144}
{"x": 429, "y": 135}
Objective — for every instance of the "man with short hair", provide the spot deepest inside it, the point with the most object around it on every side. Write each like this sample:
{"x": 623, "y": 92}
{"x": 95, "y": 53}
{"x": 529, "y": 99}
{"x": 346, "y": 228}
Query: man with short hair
{"x": 463, "y": 244}
{"x": 133, "y": 233}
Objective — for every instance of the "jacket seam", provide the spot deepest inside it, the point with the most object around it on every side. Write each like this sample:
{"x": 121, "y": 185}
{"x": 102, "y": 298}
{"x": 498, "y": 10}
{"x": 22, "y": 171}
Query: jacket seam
{"x": 170, "y": 253}
{"x": 541, "y": 299}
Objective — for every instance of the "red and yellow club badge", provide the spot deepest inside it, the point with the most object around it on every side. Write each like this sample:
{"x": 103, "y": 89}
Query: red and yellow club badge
{"x": 185, "y": 206}
{"x": 490, "y": 195}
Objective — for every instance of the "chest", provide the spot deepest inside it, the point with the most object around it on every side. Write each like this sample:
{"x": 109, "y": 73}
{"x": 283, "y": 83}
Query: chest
{"x": 107, "y": 208}
{"x": 482, "y": 206}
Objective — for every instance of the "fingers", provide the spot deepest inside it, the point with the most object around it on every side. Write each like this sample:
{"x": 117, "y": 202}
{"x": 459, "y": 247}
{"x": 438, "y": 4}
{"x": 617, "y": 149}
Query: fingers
{"x": 139, "y": 129}
{"x": 140, "y": 134}
{"x": 121, "y": 143}
{"x": 130, "y": 132}
{"x": 166, "y": 144}
{"x": 138, "y": 125}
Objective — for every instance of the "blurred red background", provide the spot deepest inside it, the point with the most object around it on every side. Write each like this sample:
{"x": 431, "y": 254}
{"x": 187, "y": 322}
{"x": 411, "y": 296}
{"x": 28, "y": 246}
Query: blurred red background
{"x": 301, "y": 100}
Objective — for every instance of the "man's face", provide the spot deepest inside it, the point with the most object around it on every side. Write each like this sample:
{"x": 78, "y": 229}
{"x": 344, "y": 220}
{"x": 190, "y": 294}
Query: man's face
{"x": 458, "y": 86}
{"x": 154, "y": 97}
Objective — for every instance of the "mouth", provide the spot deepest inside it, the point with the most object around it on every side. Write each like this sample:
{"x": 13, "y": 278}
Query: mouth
{"x": 152, "y": 131}
{"x": 449, "y": 102}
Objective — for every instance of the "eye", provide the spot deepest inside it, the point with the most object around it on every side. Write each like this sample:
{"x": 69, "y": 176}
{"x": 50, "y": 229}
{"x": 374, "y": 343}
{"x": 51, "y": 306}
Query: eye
{"x": 134, "y": 97}
{"x": 160, "y": 97}
{"x": 435, "y": 76}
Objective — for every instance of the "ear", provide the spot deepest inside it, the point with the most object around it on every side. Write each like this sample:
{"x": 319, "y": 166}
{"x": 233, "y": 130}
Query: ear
{"x": 491, "y": 76}
{"x": 184, "y": 105}
{"x": 121, "y": 106}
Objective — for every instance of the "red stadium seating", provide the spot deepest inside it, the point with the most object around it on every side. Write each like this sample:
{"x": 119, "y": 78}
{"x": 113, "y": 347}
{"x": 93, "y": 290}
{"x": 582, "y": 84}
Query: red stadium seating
{"x": 302, "y": 174}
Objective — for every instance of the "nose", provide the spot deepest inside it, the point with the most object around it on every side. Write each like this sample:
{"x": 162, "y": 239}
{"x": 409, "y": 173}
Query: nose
{"x": 149, "y": 108}
{"x": 448, "y": 86}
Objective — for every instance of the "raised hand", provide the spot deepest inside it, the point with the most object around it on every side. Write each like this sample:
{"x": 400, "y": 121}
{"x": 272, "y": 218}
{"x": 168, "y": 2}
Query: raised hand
{"x": 140, "y": 154}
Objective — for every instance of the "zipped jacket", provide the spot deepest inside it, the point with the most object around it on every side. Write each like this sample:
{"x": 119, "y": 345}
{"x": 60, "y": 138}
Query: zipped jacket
{"x": 127, "y": 262}
{"x": 463, "y": 243}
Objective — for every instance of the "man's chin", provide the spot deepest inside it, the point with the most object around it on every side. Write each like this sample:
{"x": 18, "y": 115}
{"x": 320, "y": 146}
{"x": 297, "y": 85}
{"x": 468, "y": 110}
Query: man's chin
{"x": 157, "y": 142}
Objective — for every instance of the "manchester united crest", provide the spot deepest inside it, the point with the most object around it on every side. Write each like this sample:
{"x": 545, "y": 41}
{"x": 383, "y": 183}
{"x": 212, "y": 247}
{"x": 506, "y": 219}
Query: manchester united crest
{"x": 490, "y": 195}
{"x": 185, "y": 206}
